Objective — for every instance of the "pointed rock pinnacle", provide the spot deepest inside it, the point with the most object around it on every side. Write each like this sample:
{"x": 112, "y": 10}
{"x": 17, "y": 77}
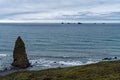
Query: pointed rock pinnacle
{"x": 19, "y": 54}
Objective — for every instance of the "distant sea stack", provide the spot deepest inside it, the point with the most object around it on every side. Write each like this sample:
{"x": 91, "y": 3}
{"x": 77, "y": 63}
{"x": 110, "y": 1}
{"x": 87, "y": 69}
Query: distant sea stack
{"x": 62, "y": 23}
{"x": 79, "y": 23}
{"x": 19, "y": 54}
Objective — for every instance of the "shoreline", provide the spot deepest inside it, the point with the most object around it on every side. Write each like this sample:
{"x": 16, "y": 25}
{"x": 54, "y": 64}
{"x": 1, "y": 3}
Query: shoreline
{"x": 106, "y": 70}
{"x": 13, "y": 70}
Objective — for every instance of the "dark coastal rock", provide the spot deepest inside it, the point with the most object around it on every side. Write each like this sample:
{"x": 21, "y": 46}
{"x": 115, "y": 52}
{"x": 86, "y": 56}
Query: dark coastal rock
{"x": 19, "y": 54}
{"x": 114, "y": 58}
{"x": 107, "y": 59}
{"x": 55, "y": 62}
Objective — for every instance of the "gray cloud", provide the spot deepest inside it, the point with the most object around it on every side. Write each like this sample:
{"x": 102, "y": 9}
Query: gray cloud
{"x": 59, "y": 10}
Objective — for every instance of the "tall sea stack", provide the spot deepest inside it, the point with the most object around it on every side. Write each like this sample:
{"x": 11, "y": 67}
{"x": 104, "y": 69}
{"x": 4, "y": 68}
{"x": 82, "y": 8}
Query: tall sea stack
{"x": 19, "y": 54}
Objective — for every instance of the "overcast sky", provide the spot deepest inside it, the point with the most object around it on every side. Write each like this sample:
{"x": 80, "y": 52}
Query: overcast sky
{"x": 60, "y": 10}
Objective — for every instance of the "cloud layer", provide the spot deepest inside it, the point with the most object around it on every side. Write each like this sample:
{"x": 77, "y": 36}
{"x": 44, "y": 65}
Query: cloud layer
{"x": 60, "y": 10}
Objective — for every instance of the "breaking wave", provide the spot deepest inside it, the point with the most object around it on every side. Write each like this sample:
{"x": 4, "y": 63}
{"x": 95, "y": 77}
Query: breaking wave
{"x": 3, "y": 55}
{"x": 46, "y": 63}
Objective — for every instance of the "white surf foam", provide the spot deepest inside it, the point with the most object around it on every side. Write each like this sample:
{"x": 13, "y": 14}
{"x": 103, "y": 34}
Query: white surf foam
{"x": 52, "y": 63}
{"x": 90, "y": 61}
{"x": 41, "y": 62}
{"x": 70, "y": 63}
{"x": 3, "y": 55}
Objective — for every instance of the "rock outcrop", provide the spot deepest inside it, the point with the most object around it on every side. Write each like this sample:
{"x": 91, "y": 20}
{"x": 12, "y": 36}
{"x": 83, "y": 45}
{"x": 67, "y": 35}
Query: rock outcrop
{"x": 19, "y": 54}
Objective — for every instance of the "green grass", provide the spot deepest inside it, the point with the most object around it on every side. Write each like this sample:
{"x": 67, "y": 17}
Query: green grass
{"x": 99, "y": 71}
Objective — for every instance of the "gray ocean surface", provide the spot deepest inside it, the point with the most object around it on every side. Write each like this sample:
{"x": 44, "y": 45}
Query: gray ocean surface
{"x": 60, "y": 45}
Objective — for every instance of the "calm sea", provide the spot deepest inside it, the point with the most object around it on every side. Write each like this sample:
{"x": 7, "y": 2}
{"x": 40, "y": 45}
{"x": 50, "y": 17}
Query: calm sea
{"x": 60, "y": 45}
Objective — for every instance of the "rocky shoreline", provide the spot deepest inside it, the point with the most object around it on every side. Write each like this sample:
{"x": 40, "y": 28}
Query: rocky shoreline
{"x": 16, "y": 69}
{"x": 97, "y": 71}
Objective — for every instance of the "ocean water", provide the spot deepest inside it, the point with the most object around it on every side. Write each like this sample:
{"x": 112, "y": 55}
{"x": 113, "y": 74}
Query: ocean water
{"x": 60, "y": 45}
